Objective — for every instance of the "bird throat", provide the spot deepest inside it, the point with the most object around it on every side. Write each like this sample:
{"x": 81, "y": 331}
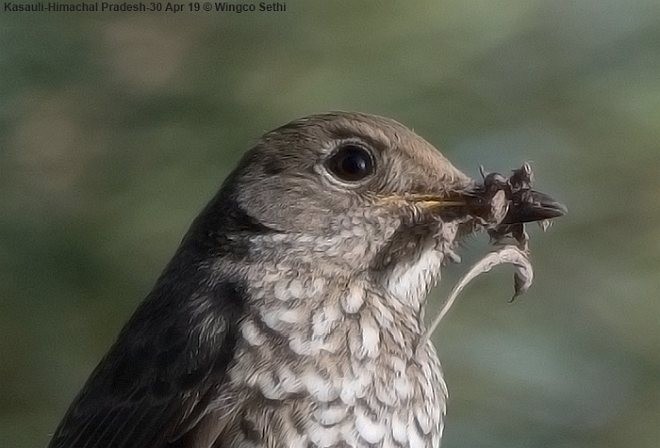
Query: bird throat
{"x": 342, "y": 351}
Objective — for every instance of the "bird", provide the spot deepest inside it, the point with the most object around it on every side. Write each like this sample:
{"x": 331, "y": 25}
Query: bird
{"x": 290, "y": 315}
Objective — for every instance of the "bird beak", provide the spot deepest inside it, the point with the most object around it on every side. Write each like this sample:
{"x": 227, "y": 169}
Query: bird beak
{"x": 533, "y": 206}
{"x": 524, "y": 206}
{"x": 434, "y": 202}
{"x": 428, "y": 201}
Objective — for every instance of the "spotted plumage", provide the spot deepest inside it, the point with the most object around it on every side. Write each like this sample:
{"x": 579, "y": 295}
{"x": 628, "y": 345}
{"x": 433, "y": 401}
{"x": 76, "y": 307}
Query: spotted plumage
{"x": 292, "y": 314}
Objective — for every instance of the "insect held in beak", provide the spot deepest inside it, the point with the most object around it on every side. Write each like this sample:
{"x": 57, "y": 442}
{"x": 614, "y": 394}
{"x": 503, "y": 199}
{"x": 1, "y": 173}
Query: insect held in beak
{"x": 503, "y": 206}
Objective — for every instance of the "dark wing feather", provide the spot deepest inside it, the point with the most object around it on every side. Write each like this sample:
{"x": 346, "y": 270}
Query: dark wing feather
{"x": 166, "y": 369}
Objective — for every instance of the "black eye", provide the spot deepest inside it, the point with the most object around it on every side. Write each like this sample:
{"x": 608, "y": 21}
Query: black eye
{"x": 351, "y": 163}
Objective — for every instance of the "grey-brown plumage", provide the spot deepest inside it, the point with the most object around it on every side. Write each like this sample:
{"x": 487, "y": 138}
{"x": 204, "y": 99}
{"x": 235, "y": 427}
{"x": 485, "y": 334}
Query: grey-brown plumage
{"x": 291, "y": 312}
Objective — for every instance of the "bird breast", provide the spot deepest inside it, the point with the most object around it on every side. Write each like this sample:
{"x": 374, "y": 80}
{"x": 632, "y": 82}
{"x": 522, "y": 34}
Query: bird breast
{"x": 334, "y": 361}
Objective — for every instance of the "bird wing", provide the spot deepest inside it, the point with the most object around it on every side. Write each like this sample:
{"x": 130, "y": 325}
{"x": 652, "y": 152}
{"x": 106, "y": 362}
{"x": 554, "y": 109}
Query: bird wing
{"x": 164, "y": 377}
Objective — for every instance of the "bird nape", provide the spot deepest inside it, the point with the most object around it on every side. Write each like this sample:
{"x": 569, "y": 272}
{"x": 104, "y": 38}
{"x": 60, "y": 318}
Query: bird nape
{"x": 291, "y": 315}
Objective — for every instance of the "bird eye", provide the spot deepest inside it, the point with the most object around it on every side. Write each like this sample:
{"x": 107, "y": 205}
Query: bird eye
{"x": 351, "y": 163}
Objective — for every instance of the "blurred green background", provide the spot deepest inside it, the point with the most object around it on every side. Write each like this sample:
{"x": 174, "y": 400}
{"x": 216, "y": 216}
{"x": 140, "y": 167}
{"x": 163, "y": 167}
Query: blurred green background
{"x": 115, "y": 129}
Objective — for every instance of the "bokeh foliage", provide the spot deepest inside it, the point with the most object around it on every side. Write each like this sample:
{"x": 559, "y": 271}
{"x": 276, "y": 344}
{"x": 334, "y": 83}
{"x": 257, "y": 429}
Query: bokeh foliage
{"x": 116, "y": 128}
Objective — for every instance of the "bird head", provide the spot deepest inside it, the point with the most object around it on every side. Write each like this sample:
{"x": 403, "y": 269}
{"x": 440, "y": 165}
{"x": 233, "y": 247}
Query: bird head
{"x": 355, "y": 193}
